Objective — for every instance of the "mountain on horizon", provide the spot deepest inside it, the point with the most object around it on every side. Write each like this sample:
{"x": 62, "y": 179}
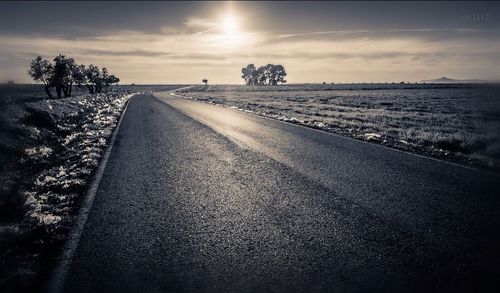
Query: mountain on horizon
{"x": 452, "y": 80}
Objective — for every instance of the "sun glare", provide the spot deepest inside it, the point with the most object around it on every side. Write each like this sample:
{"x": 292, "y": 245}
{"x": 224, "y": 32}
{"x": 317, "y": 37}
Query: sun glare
{"x": 229, "y": 24}
{"x": 230, "y": 31}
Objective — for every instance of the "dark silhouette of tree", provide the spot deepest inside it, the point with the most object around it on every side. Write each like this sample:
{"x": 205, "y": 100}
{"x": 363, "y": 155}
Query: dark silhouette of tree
{"x": 41, "y": 70}
{"x": 264, "y": 75}
{"x": 249, "y": 74}
{"x": 67, "y": 74}
{"x": 279, "y": 74}
{"x": 261, "y": 75}
{"x": 64, "y": 73}
{"x": 205, "y": 81}
{"x": 111, "y": 80}
{"x": 62, "y": 78}
{"x": 93, "y": 76}
{"x": 104, "y": 79}
{"x": 254, "y": 76}
{"x": 73, "y": 76}
{"x": 269, "y": 74}
{"x": 79, "y": 75}
{"x": 96, "y": 79}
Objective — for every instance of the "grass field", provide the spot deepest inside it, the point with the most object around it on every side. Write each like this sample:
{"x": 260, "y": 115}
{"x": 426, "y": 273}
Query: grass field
{"x": 456, "y": 122}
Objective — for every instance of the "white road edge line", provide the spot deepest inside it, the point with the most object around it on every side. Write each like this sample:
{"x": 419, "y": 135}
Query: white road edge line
{"x": 58, "y": 276}
{"x": 331, "y": 133}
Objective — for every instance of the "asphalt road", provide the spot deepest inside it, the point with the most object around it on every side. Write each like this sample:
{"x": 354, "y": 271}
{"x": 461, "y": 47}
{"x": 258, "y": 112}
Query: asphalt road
{"x": 202, "y": 198}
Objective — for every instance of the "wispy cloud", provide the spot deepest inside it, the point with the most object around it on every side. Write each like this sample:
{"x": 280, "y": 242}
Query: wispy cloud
{"x": 130, "y": 53}
{"x": 371, "y": 31}
{"x": 200, "y": 25}
{"x": 205, "y": 31}
{"x": 198, "y": 22}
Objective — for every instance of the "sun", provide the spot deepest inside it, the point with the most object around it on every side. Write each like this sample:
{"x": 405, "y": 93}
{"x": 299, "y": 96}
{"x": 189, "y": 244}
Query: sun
{"x": 230, "y": 30}
{"x": 229, "y": 24}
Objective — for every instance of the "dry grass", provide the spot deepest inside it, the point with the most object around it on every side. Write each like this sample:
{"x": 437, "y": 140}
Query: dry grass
{"x": 456, "y": 122}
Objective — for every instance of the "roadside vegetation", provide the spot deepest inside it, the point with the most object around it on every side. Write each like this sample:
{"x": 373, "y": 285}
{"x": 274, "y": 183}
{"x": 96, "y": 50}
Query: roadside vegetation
{"x": 49, "y": 151}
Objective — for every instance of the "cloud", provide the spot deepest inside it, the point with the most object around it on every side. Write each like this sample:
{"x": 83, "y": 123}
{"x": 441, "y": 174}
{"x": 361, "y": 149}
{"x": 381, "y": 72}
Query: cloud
{"x": 198, "y": 26}
{"x": 197, "y": 49}
{"x": 374, "y": 32}
{"x": 197, "y": 22}
{"x": 170, "y": 30}
{"x": 343, "y": 32}
{"x": 131, "y": 53}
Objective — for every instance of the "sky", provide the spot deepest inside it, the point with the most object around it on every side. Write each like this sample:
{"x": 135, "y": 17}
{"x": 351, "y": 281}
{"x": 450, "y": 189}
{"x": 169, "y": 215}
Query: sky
{"x": 184, "y": 42}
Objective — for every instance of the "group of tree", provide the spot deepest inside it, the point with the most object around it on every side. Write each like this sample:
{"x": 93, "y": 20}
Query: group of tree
{"x": 64, "y": 73}
{"x": 264, "y": 75}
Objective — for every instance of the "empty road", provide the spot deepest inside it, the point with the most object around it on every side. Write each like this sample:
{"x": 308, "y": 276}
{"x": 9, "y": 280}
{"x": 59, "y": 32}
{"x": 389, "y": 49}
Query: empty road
{"x": 197, "y": 197}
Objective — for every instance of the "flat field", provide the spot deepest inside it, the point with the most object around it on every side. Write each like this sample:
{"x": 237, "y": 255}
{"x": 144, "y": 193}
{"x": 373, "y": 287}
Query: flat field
{"x": 454, "y": 122}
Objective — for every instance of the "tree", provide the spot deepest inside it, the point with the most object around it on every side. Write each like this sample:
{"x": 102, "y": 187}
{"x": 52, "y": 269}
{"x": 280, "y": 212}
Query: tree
{"x": 264, "y": 75}
{"x": 103, "y": 79}
{"x": 65, "y": 72}
{"x": 93, "y": 76}
{"x": 79, "y": 76}
{"x": 111, "y": 80}
{"x": 62, "y": 76}
{"x": 41, "y": 70}
{"x": 249, "y": 74}
{"x": 270, "y": 74}
{"x": 261, "y": 75}
{"x": 97, "y": 78}
{"x": 72, "y": 75}
{"x": 279, "y": 74}
{"x": 205, "y": 81}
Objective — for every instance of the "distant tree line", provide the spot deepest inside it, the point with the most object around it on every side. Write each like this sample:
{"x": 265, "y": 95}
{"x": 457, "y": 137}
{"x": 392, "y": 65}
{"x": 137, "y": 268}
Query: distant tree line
{"x": 264, "y": 75}
{"x": 64, "y": 73}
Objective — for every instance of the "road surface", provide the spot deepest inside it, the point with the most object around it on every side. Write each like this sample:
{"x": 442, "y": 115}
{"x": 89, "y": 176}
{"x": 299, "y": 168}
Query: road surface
{"x": 197, "y": 197}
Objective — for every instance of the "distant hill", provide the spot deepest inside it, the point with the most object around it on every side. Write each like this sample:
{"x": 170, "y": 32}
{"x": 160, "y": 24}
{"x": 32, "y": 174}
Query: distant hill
{"x": 451, "y": 80}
